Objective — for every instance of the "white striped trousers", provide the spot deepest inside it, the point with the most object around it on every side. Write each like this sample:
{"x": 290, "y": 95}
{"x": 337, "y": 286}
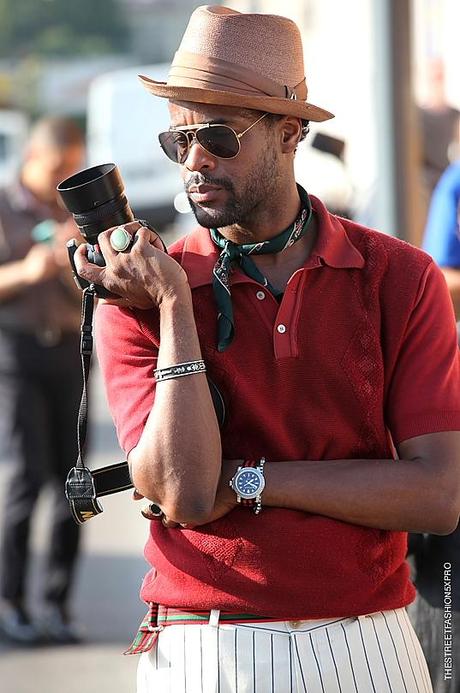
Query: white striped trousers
{"x": 376, "y": 653}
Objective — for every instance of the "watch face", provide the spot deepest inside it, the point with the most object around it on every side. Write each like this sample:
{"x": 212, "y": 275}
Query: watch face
{"x": 248, "y": 483}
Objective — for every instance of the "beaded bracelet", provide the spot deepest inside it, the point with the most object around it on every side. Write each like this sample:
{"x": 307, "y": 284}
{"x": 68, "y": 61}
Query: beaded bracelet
{"x": 179, "y": 370}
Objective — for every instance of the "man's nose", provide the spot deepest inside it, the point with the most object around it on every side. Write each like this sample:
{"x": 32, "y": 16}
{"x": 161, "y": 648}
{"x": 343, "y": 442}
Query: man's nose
{"x": 198, "y": 158}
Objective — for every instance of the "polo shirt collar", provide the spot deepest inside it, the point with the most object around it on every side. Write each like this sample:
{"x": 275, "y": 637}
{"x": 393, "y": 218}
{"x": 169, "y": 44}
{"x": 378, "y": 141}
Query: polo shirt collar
{"x": 333, "y": 245}
{"x": 333, "y": 248}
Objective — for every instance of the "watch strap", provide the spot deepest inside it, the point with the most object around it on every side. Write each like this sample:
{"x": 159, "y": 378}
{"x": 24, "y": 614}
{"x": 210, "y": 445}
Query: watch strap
{"x": 249, "y": 502}
{"x": 254, "y": 503}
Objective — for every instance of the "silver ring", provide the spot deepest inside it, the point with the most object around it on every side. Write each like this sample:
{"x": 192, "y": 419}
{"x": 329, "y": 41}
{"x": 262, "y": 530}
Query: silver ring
{"x": 120, "y": 239}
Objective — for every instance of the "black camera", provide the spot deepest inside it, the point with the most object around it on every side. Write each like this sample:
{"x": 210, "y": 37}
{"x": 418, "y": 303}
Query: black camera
{"x": 96, "y": 199}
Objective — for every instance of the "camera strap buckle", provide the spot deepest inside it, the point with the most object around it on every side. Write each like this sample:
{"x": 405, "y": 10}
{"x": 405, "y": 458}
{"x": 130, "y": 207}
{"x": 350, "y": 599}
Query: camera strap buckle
{"x": 83, "y": 487}
{"x": 81, "y": 494}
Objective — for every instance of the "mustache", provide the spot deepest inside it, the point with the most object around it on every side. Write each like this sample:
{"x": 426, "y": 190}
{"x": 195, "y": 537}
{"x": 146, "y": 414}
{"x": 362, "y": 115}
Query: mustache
{"x": 202, "y": 179}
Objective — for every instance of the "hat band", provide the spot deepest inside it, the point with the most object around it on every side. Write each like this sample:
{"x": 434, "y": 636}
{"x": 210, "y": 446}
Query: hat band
{"x": 207, "y": 72}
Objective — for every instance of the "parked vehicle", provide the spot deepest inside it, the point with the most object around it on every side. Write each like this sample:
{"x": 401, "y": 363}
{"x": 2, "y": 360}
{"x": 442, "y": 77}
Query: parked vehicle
{"x": 13, "y": 133}
{"x": 123, "y": 121}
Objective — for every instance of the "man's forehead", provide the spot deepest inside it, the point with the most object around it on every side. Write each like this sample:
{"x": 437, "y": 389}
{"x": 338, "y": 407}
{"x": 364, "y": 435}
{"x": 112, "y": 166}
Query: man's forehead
{"x": 43, "y": 148}
{"x": 187, "y": 112}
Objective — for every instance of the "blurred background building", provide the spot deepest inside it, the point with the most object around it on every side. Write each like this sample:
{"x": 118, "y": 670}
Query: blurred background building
{"x": 386, "y": 68}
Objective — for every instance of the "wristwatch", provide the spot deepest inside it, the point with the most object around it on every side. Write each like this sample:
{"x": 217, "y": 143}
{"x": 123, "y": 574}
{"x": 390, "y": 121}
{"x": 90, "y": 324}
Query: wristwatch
{"x": 248, "y": 484}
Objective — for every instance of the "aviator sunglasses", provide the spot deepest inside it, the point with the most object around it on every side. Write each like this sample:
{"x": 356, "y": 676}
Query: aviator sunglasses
{"x": 219, "y": 140}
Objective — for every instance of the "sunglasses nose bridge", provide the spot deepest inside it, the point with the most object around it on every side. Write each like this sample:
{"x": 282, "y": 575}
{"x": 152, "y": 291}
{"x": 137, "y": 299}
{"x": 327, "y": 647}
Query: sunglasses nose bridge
{"x": 191, "y": 137}
{"x": 202, "y": 154}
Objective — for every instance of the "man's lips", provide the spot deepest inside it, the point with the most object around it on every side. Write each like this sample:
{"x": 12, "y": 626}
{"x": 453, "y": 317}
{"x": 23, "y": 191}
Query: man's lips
{"x": 203, "y": 193}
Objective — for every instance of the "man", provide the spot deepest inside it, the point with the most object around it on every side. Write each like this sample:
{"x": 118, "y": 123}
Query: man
{"x": 40, "y": 379}
{"x": 439, "y": 124}
{"x": 324, "y": 339}
{"x": 436, "y": 612}
{"x": 442, "y": 236}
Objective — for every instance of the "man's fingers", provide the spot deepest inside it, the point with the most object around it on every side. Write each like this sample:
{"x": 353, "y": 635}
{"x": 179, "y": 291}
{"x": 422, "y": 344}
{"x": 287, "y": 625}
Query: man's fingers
{"x": 169, "y": 524}
{"x": 118, "y": 274}
{"x": 86, "y": 269}
{"x": 142, "y": 237}
{"x": 150, "y": 513}
{"x": 81, "y": 254}
{"x": 146, "y": 236}
{"x": 107, "y": 249}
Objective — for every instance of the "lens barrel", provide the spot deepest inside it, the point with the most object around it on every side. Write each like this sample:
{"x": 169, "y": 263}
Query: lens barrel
{"x": 95, "y": 197}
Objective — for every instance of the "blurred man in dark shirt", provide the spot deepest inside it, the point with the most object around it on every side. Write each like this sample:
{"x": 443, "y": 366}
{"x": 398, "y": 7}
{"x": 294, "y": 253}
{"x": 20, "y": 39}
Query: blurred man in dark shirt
{"x": 40, "y": 379}
{"x": 439, "y": 127}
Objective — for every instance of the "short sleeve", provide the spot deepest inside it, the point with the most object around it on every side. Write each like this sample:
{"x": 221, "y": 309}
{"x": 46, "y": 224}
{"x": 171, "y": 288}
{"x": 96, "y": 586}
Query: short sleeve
{"x": 424, "y": 392}
{"x": 127, "y": 357}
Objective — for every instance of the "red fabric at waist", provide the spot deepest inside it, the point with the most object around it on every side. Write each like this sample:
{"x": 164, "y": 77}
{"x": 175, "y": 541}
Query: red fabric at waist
{"x": 310, "y": 567}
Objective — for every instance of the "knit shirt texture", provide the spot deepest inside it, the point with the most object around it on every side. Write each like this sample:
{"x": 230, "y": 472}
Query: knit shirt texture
{"x": 360, "y": 355}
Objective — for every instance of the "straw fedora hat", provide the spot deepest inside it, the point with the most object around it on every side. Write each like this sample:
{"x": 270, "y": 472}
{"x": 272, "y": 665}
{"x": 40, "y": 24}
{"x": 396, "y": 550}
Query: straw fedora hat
{"x": 250, "y": 61}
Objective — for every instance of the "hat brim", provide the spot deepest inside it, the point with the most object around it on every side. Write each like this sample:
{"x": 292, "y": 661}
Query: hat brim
{"x": 270, "y": 104}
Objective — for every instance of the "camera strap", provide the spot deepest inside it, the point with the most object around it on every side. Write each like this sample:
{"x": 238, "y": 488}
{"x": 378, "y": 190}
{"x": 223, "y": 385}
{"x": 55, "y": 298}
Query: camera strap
{"x": 83, "y": 486}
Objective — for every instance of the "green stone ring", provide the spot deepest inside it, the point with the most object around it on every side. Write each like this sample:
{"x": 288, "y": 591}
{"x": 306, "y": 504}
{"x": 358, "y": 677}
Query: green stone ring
{"x": 120, "y": 239}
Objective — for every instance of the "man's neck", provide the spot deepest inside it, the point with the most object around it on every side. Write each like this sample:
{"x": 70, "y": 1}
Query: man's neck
{"x": 268, "y": 222}
{"x": 278, "y": 268}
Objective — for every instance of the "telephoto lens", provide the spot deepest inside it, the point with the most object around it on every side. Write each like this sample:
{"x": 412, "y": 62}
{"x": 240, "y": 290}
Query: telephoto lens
{"x": 96, "y": 199}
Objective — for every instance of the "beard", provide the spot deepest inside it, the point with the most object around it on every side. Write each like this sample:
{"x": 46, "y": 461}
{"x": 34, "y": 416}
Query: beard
{"x": 245, "y": 201}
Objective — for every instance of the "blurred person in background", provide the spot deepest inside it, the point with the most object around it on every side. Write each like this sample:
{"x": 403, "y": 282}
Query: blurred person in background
{"x": 442, "y": 231}
{"x": 435, "y": 614}
{"x": 40, "y": 377}
{"x": 320, "y": 167}
{"x": 439, "y": 127}
{"x": 278, "y": 558}
{"x": 436, "y": 559}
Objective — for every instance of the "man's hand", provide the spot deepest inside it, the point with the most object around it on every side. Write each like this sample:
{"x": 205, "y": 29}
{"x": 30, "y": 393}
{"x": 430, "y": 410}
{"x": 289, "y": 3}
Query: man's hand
{"x": 39, "y": 265}
{"x": 62, "y": 233}
{"x": 143, "y": 276}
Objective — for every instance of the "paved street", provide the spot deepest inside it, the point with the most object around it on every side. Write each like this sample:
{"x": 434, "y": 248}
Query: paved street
{"x": 106, "y": 594}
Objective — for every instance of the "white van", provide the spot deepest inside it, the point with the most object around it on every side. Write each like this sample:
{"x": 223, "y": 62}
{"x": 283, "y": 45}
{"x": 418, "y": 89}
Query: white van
{"x": 14, "y": 127}
{"x": 123, "y": 122}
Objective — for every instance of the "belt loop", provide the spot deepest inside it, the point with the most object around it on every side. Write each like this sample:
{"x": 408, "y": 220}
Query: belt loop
{"x": 154, "y": 625}
{"x": 214, "y": 616}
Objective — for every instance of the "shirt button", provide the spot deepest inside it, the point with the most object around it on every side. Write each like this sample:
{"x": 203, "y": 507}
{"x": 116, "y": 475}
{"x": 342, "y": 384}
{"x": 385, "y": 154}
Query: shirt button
{"x": 260, "y": 295}
{"x": 281, "y": 329}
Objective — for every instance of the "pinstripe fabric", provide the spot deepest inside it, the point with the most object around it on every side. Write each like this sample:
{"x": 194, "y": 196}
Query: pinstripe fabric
{"x": 376, "y": 653}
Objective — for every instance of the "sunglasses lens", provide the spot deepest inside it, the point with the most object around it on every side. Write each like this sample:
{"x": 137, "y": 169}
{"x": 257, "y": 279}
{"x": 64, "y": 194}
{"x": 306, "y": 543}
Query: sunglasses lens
{"x": 219, "y": 140}
{"x": 175, "y": 145}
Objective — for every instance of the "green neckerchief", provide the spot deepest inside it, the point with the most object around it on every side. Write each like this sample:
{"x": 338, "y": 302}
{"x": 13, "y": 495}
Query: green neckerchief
{"x": 231, "y": 252}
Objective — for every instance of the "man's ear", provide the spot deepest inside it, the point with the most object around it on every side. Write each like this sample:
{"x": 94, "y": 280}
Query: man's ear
{"x": 291, "y": 132}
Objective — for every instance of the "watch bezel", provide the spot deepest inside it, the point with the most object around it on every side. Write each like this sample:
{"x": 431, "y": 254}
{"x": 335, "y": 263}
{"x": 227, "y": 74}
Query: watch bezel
{"x": 252, "y": 494}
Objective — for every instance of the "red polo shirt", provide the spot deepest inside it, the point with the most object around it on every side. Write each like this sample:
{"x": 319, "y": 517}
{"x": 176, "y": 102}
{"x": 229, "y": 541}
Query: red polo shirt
{"x": 360, "y": 353}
